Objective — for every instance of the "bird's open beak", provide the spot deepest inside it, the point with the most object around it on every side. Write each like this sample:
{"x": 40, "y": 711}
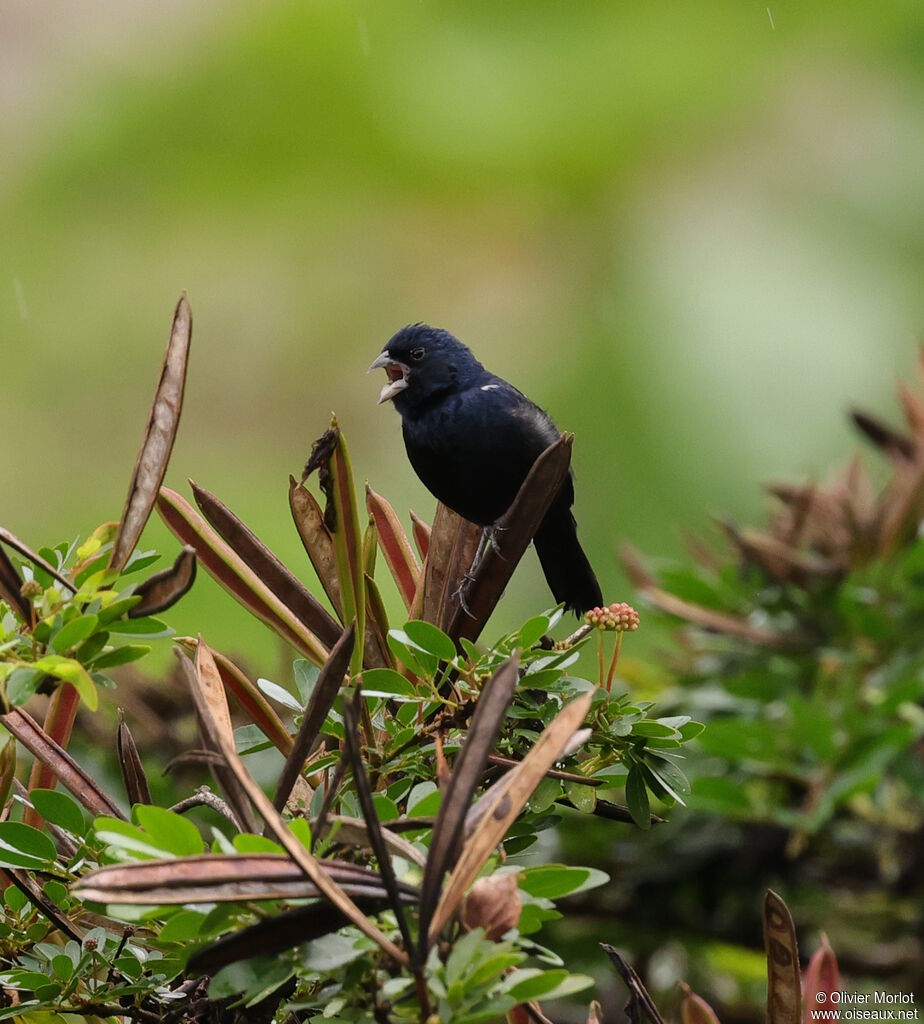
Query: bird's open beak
{"x": 397, "y": 376}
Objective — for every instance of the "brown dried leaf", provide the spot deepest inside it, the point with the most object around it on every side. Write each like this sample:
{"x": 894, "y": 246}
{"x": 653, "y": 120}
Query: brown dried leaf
{"x": 9, "y": 588}
{"x": 208, "y": 694}
{"x": 695, "y": 1010}
{"x": 481, "y": 736}
{"x": 901, "y": 506}
{"x": 221, "y": 878}
{"x": 275, "y": 934}
{"x": 446, "y": 527}
{"x": 151, "y": 464}
{"x": 136, "y": 782}
{"x": 63, "y": 766}
{"x": 894, "y": 444}
{"x": 640, "y": 1001}
{"x": 351, "y": 713}
{"x": 395, "y": 545}
{"x": 311, "y": 867}
{"x": 516, "y": 527}
{"x": 501, "y": 804}
{"x": 7, "y": 771}
{"x": 784, "y": 985}
{"x": 779, "y": 560}
{"x": 316, "y": 539}
{"x": 235, "y": 576}
{"x": 58, "y": 725}
{"x": 164, "y": 589}
{"x": 821, "y": 976}
{"x": 19, "y": 546}
{"x": 247, "y": 697}
{"x": 421, "y": 530}
{"x": 255, "y": 554}
{"x": 330, "y": 679}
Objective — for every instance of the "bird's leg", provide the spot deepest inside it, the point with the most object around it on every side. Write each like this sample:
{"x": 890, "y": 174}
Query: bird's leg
{"x": 491, "y": 533}
{"x": 469, "y": 575}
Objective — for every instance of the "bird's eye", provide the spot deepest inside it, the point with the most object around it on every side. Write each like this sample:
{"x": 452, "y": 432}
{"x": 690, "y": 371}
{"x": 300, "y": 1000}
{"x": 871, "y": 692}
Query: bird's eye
{"x": 417, "y": 354}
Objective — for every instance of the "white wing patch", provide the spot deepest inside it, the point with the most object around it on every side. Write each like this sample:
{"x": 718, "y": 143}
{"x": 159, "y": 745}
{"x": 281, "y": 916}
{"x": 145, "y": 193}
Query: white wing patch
{"x": 490, "y": 387}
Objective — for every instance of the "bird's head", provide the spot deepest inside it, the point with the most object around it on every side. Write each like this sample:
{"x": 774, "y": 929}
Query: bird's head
{"x": 423, "y": 362}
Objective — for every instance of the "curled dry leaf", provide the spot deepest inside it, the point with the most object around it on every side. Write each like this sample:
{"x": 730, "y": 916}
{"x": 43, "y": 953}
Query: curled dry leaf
{"x": 247, "y": 696}
{"x": 255, "y": 554}
{"x": 151, "y": 464}
{"x": 316, "y": 539}
{"x": 215, "y": 726}
{"x": 221, "y": 878}
{"x": 58, "y": 726}
{"x": 277, "y": 933}
{"x": 695, "y": 1010}
{"x": 10, "y": 584}
{"x": 490, "y": 710}
{"x": 136, "y": 782}
{"x": 640, "y": 1001}
{"x": 395, "y": 545}
{"x": 164, "y": 589}
{"x": 234, "y": 575}
{"x": 330, "y": 679}
{"x": 309, "y": 865}
{"x": 502, "y": 803}
{"x": 62, "y": 765}
{"x": 821, "y": 976}
{"x": 421, "y": 530}
{"x": 20, "y": 547}
{"x": 784, "y": 984}
{"x": 351, "y": 712}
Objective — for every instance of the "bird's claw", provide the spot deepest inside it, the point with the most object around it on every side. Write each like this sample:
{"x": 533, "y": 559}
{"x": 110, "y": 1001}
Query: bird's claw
{"x": 459, "y": 594}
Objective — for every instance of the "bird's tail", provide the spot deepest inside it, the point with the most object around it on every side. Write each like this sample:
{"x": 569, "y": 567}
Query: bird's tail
{"x": 567, "y": 570}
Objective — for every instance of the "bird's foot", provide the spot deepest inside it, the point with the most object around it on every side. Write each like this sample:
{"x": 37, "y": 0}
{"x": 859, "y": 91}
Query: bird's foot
{"x": 492, "y": 535}
{"x": 459, "y": 593}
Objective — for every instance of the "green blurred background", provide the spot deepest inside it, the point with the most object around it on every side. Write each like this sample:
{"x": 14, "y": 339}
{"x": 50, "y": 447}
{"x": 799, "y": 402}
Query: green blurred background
{"x": 694, "y": 232}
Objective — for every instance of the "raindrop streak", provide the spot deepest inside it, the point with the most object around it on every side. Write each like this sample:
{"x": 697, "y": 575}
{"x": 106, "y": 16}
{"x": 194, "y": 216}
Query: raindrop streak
{"x": 20, "y": 299}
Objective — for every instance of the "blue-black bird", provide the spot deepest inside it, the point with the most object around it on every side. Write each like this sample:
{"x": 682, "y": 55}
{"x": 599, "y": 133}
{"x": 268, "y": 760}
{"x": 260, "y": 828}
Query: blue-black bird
{"x": 472, "y": 438}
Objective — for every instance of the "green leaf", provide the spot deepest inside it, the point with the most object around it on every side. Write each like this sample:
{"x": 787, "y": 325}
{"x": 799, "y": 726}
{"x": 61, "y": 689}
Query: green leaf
{"x": 637, "y": 797}
{"x": 279, "y": 694}
{"x": 306, "y": 676}
{"x": 169, "y": 831}
{"x": 531, "y": 631}
{"x": 333, "y": 952}
{"x": 22, "y": 846}
{"x": 431, "y": 639}
{"x": 657, "y": 730}
{"x": 148, "y": 627}
{"x": 121, "y": 656}
{"x": 72, "y": 672}
{"x": 385, "y": 682}
{"x": 531, "y": 983}
{"x": 123, "y": 836}
{"x": 583, "y": 797}
{"x": 462, "y": 954}
{"x": 247, "y": 842}
{"x": 552, "y": 881}
{"x": 182, "y": 927}
{"x": 21, "y": 684}
{"x": 59, "y": 809}
{"x": 74, "y": 633}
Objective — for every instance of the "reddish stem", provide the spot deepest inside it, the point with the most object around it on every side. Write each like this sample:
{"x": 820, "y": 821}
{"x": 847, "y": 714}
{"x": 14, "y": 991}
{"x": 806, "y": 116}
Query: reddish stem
{"x": 59, "y": 722}
{"x": 612, "y": 671}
